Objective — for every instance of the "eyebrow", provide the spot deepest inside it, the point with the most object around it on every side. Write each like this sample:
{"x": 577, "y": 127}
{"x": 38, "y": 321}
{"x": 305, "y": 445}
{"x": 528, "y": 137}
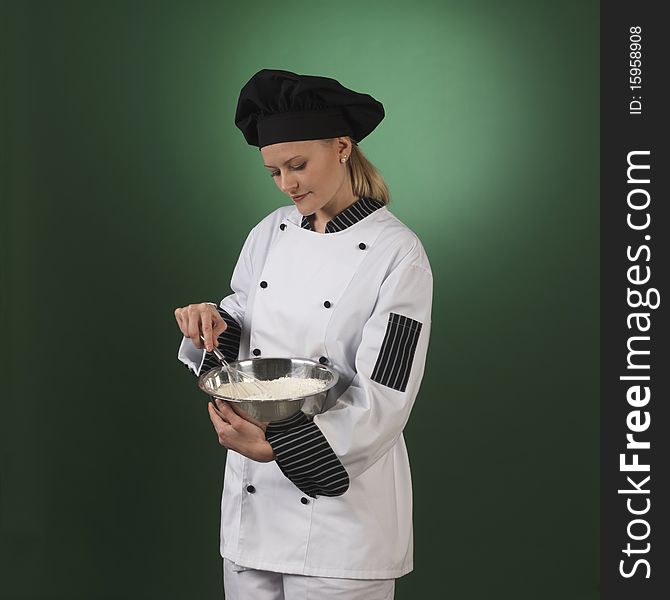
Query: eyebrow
{"x": 285, "y": 162}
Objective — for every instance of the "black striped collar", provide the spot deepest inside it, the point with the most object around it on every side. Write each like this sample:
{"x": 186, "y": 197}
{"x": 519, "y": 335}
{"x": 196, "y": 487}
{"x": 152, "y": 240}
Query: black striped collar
{"x": 349, "y": 216}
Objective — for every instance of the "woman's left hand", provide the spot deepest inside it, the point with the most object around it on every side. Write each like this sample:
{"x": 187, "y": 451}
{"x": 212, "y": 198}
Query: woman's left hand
{"x": 240, "y": 433}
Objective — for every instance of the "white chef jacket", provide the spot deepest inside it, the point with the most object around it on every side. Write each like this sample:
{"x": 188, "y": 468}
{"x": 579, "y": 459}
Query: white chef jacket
{"x": 361, "y": 299}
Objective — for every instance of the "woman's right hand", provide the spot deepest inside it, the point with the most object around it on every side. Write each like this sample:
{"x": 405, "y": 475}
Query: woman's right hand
{"x": 197, "y": 319}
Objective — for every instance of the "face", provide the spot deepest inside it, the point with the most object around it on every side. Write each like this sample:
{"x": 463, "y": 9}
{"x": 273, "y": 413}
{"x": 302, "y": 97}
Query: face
{"x": 313, "y": 168}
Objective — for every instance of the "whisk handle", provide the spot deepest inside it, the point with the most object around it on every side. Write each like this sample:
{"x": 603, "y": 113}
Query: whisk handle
{"x": 216, "y": 352}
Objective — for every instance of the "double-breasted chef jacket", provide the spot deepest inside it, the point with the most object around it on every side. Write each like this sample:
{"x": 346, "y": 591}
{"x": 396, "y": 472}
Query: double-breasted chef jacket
{"x": 337, "y": 501}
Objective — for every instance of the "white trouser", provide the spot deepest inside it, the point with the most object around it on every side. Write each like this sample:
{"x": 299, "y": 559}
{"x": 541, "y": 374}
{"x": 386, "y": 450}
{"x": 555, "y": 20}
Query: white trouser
{"x": 241, "y": 583}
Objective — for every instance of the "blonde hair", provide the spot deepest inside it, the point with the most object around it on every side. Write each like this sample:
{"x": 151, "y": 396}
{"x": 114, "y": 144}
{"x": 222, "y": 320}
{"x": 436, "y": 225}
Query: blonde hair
{"x": 366, "y": 180}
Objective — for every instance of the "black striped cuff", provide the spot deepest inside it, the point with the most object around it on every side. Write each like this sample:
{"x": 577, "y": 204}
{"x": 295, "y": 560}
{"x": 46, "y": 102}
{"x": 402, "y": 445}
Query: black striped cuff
{"x": 300, "y": 418}
{"x": 304, "y": 455}
{"x": 229, "y": 343}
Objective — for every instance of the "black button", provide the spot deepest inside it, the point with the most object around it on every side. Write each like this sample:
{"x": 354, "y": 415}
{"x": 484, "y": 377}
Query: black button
{"x": 362, "y": 246}
{"x": 323, "y": 360}
{"x": 264, "y": 284}
{"x": 251, "y": 489}
{"x": 282, "y": 226}
{"x": 326, "y": 304}
{"x": 257, "y": 352}
{"x": 304, "y": 500}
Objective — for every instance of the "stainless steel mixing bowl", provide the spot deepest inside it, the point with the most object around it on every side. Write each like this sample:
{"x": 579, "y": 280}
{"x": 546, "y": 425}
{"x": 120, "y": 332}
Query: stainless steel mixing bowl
{"x": 267, "y": 369}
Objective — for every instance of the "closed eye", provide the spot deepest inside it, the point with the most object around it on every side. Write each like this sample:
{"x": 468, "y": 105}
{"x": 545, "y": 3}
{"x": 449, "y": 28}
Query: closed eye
{"x": 298, "y": 168}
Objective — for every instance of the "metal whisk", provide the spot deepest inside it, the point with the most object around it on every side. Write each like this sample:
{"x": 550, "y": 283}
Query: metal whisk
{"x": 234, "y": 376}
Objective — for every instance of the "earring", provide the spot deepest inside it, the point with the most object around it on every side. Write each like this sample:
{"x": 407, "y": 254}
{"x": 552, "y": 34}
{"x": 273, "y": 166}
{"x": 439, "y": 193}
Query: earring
{"x": 343, "y": 160}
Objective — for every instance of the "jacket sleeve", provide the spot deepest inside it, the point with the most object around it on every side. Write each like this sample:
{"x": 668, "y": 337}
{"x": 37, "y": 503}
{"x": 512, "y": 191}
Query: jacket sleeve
{"x": 321, "y": 456}
{"x": 231, "y": 309}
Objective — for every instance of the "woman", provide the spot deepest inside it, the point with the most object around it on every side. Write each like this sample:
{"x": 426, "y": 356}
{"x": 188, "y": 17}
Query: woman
{"x": 319, "y": 504}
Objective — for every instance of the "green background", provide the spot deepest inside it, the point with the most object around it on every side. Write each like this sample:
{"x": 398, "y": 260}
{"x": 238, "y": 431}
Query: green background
{"x": 127, "y": 191}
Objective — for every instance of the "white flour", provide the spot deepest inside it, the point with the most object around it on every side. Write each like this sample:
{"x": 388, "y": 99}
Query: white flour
{"x": 276, "y": 389}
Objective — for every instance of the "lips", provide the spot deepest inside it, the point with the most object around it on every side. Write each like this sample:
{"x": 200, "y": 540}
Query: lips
{"x": 299, "y": 198}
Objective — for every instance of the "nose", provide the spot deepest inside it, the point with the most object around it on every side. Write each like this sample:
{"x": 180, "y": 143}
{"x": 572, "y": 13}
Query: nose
{"x": 288, "y": 184}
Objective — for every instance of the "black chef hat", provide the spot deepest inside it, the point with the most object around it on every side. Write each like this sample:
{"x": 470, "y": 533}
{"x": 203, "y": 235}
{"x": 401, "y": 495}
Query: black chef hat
{"x": 279, "y": 106}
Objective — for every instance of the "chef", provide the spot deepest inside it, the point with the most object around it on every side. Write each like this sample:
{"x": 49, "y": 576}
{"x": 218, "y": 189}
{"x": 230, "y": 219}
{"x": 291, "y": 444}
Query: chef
{"x": 319, "y": 503}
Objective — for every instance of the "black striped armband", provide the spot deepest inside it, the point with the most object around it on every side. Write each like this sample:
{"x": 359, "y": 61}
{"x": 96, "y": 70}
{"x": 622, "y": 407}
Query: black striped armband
{"x": 394, "y": 362}
{"x": 229, "y": 343}
{"x": 304, "y": 455}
